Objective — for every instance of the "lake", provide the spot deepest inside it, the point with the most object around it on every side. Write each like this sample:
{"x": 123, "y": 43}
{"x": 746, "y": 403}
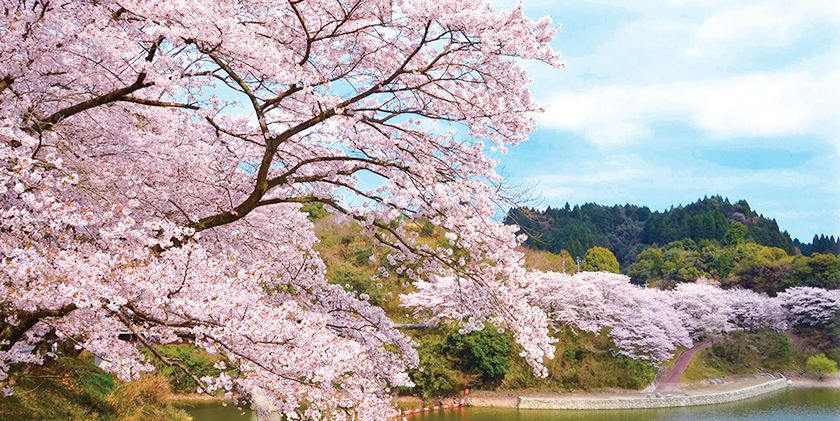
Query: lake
{"x": 790, "y": 404}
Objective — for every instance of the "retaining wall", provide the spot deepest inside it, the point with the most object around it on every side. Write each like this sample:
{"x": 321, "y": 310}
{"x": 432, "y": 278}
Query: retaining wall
{"x": 645, "y": 403}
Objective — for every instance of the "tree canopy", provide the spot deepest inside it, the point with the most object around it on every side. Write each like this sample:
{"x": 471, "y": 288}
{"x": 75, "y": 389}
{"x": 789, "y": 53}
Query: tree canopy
{"x": 599, "y": 259}
{"x": 155, "y": 156}
{"x": 629, "y": 229}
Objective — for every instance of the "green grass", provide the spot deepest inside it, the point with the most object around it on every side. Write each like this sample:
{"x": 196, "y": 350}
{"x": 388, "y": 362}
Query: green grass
{"x": 699, "y": 369}
{"x": 582, "y": 361}
{"x": 70, "y": 389}
{"x": 742, "y": 353}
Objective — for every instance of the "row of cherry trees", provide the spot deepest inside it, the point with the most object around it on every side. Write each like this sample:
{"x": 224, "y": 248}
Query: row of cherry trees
{"x": 154, "y": 156}
{"x": 649, "y": 323}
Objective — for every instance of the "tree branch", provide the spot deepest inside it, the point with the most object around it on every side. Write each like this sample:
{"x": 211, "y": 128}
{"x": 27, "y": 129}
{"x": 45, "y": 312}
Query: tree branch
{"x": 11, "y": 334}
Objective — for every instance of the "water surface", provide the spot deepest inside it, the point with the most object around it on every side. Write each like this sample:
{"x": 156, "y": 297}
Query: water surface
{"x": 786, "y": 405}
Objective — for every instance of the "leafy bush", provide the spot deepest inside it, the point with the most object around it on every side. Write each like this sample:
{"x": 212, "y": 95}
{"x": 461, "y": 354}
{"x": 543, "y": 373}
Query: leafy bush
{"x": 485, "y": 352}
{"x": 436, "y": 376}
{"x": 582, "y": 361}
{"x": 821, "y": 365}
{"x": 75, "y": 389}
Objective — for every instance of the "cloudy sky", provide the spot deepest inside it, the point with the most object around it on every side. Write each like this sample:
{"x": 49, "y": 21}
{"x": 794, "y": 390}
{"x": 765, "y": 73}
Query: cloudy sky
{"x": 664, "y": 102}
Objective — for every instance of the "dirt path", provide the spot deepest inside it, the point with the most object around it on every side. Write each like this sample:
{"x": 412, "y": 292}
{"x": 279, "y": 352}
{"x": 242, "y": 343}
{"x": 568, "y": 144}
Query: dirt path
{"x": 672, "y": 379}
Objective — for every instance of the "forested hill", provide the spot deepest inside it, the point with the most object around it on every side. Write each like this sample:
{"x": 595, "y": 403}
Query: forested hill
{"x": 628, "y": 230}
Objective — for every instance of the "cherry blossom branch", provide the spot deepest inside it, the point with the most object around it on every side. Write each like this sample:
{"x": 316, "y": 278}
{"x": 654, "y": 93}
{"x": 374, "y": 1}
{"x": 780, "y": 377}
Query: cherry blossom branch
{"x": 24, "y": 321}
{"x": 42, "y": 125}
{"x": 159, "y": 355}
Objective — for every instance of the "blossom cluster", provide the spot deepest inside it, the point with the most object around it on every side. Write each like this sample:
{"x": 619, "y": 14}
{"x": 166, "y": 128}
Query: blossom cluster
{"x": 646, "y": 323}
{"x": 155, "y": 155}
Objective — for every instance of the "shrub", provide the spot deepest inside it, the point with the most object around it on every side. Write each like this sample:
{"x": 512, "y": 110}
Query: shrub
{"x": 483, "y": 352}
{"x": 435, "y": 377}
{"x": 820, "y": 365}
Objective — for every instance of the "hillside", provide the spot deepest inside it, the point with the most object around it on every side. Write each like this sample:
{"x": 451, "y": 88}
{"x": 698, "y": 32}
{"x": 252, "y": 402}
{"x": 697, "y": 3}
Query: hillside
{"x": 710, "y": 238}
{"x": 628, "y": 230}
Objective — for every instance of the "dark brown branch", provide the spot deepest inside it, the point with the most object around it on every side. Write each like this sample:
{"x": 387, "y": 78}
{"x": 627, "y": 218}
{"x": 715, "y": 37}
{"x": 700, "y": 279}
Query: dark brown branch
{"x": 242, "y": 85}
{"x": 5, "y": 83}
{"x": 11, "y": 334}
{"x": 261, "y": 185}
{"x": 157, "y": 353}
{"x": 154, "y": 103}
{"x": 305, "y": 31}
{"x": 46, "y": 124}
{"x": 152, "y": 319}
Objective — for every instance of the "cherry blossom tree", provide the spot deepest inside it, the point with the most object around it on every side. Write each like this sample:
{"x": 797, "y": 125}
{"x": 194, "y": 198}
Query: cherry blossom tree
{"x": 810, "y": 306}
{"x": 641, "y": 322}
{"x": 752, "y": 311}
{"x": 154, "y": 156}
{"x": 706, "y": 306}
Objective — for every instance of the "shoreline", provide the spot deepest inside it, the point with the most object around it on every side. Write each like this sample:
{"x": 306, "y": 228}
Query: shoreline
{"x": 510, "y": 399}
{"x": 650, "y": 401}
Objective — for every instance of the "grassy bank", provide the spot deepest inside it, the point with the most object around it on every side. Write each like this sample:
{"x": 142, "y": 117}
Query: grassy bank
{"x": 70, "y": 388}
{"x": 743, "y": 353}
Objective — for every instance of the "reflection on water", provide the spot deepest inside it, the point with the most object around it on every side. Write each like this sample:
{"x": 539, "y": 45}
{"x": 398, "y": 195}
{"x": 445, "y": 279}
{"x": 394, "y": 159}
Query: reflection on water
{"x": 785, "y": 405}
{"x": 215, "y": 411}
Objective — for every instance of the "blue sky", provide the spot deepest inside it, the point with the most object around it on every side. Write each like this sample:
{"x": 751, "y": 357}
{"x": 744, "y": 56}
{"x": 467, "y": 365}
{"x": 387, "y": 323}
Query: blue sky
{"x": 664, "y": 102}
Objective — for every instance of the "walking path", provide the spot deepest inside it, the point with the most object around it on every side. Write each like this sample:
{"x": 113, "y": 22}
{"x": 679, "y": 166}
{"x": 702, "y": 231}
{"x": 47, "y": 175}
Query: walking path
{"x": 672, "y": 379}
{"x": 511, "y": 398}
{"x": 639, "y": 402}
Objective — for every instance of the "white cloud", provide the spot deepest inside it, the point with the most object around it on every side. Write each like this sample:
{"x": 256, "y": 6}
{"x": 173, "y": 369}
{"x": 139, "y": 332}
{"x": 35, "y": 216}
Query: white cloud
{"x": 756, "y": 24}
{"x": 763, "y": 70}
{"x": 755, "y": 105}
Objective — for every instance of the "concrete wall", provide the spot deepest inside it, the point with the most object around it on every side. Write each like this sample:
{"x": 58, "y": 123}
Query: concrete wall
{"x": 644, "y": 403}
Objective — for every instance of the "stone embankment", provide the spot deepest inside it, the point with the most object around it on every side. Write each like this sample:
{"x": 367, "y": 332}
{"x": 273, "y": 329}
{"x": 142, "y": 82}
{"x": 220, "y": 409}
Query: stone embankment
{"x": 651, "y": 402}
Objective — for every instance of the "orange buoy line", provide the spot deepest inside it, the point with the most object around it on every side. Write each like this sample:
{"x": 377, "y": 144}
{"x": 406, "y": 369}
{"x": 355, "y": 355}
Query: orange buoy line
{"x": 445, "y": 407}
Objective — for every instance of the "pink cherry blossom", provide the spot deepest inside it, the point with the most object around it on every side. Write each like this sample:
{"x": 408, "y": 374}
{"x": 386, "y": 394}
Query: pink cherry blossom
{"x": 810, "y": 306}
{"x": 154, "y": 156}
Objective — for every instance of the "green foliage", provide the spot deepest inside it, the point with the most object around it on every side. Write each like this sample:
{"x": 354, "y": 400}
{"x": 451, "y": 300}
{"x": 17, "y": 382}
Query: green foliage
{"x": 745, "y": 353}
{"x": 820, "y": 244}
{"x": 711, "y": 237}
{"x": 194, "y": 359}
{"x": 315, "y": 210}
{"x": 599, "y": 259}
{"x": 821, "y": 366}
{"x": 628, "y": 230}
{"x": 548, "y": 261}
{"x": 483, "y": 352}
{"x": 820, "y": 270}
{"x": 650, "y": 264}
{"x": 582, "y": 361}
{"x": 581, "y": 228}
{"x": 735, "y": 235}
{"x": 75, "y": 389}
{"x": 352, "y": 260}
{"x": 436, "y": 377}
{"x": 720, "y": 262}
